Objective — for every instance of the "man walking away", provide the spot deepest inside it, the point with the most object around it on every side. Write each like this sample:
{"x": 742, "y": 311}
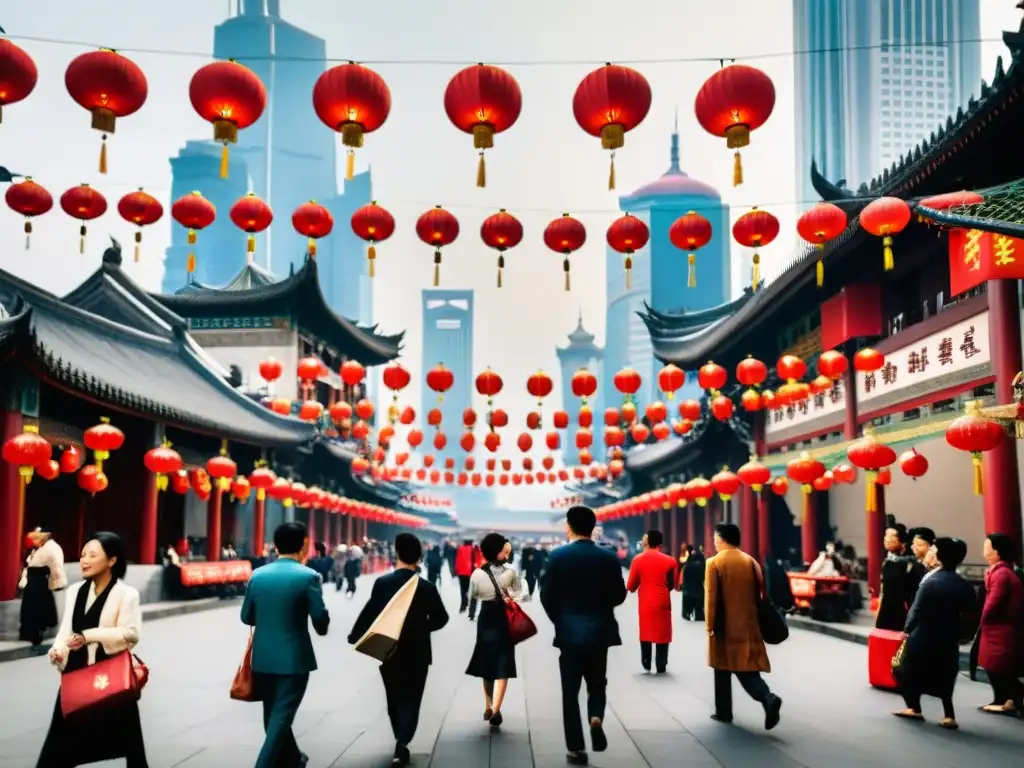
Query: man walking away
{"x": 353, "y": 568}
{"x": 405, "y": 672}
{"x": 653, "y": 574}
{"x": 735, "y": 645}
{"x": 279, "y": 598}
{"x": 533, "y": 565}
{"x": 464, "y": 569}
{"x": 434, "y": 562}
{"x": 581, "y": 586}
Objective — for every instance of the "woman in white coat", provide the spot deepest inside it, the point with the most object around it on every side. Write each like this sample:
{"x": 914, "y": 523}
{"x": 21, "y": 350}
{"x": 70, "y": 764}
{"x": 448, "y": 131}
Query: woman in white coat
{"x": 43, "y": 575}
{"x": 102, "y": 617}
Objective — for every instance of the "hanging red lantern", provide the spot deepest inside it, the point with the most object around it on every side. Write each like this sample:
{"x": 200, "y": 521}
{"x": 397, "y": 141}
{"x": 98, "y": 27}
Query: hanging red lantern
{"x": 312, "y": 221}
{"x": 194, "y": 212}
{"x": 700, "y": 490}
{"x": 251, "y": 215}
{"x": 339, "y": 412}
{"x": 639, "y": 433}
{"x": 975, "y": 434}
{"x": 414, "y": 438}
{"x": 141, "y": 209}
{"x": 768, "y": 400}
{"x": 871, "y": 456}
{"x": 440, "y": 379}
{"x": 222, "y": 469}
{"x": 661, "y": 431}
{"x": 162, "y": 461}
{"x": 102, "y": 439}
{"x": 790, "y": 368}
{"x": 440, "y": 441}
{"x": 754, "y": 474}
{"x": 18, "y": 74}
{"x": 311, "y": 410}
{"x": 751, "y": 401}
{"x": 712, "y": 377}
{"x": 231, "y": 97}
{"x": 553, "y": 441}
{"x": 483, "y": 100}
{"x": 374, "y": 225}
{"x": 281, "y": 406}
{"x": 884, "y": 476}
{"x": 690, "y": 410}
{"x": 25, "y": 197}
{"x": 240, "y": 489}
{"x": 560, "y": 419}
{"x": 179, "y": 482}
{"x": 610, "y": 102}
{"x": 270, "y": 370}
{"x": 110, "y": 86}
{"x": 913, "y": 464}
{"x": 690, "y": 233}
{"x": 437, "y": 228}
{"x": 832, "y": 364}
{"x": 817, "y": 226}
{"x": 627, "y": 235}
{"x": 501, "y": 231}
{"x": 656, "y": 412}
{"x": 733, "y": 102}
{"x": 48, "y": 470}
{"x": 670, "y": 380}
{"x": 613, "y": 437}
{"x": 533, "y": 420}
{"x": 92, "y": 480}
{"x": 261, "y": 478}
{"x": 627, "y": 381}
{"x": 584, "y": 384}
{"x": 843, "y": 474}
{"x": 489, "y": 384}
{"x": 726, "y": 484}
{"x": 885, "y": 217}
{"x": 70, "y": 459}
{"x": 525, "y": 442}
{"x": 721, "y": 408}
{"x": 352, "y": 373}
{"x": 467, "y": 442}
{"x": 364, "y": 410}
{"x": 805, "y": 470}
{"x": 434, "y": 417}
{"x": 85, "y": 204}
{"x": 868, "y": 360}
{"x": 823, "y": 483}
{"x": 612, "y": 417}
{"x": 408, "y": 415}
{"x": 396, "y": 378}
{"x": 780, "y": 486}
{"x": 28, "y": 450}
{"x": 352, "y": 100}
{"x": 755, "y": 229}
{"x": 565, "y": 235}
{"x": 585, "y": 418}
{"x": 308, "y": 369}
{"x": 539, "y": 385}
{"x": 820, "y": 384}
{"x": 492, "y": 441}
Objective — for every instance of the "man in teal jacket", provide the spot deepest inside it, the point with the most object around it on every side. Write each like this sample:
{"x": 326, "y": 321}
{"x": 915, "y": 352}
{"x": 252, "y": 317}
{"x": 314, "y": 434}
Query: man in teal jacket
{"x": 279, "y": 598}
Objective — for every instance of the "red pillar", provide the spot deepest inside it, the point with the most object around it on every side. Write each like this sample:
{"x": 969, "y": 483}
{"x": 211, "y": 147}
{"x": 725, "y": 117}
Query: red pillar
{"x": 764, "y": 525}
{"x": 873, "y": 542}
{"x": 148, "y": 525}
{"x": 12, "y": 512}
{"x": 758, "y": 522}
{"x": 213, "y": 525}
{"x": 311, "y": 531}
{"x": 327, "y": 530}
{"x": 748, "y": 521}
{"x": 348, "y": 529}
{"x": 1002, "y": 485}
{"x": 691, "y": 525}
{"x": 673, "y": 536}
{"x": 709, "y": 527}
{"x": 259, "y": 522}
{"x": 809, "y": 528}
{"x": 850, "y": 427}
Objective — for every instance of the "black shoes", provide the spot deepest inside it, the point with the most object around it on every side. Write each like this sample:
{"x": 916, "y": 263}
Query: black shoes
{"x": 597, "y": 738}
{"x": 726, "y": 719}
{"x": 660, "y": 670}
{"x": 402, "y": 756}
{"x": 496, "y": 720}
{"x": 577, "y": 758}
{"x": 772, "y": 710}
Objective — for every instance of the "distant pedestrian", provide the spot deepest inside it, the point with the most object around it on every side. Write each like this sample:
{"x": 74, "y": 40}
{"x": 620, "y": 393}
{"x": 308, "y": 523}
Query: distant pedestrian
{"x": 692, "y": 586}
{"x": 653, "y": 575}
{"x": 353, "y": 569}
{"x": 43, "y": 576}
{"x": 464, "y": 569}
{"x": 322, "y": 563}
{"x": 434, "y": 562}
{"x": 1001, "y": 635}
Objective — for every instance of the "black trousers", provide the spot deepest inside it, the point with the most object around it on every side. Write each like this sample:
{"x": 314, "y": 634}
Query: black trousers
{"x": 660, "y": 655}
{"x": 531, "y": 581}
{"x": 434, "y": 576}
{"x": 1006, "y": 688}
{"x": 912, "y": 699}
{"x": 403, "y": 688}
{"x": 752, "y": 683}
{"x": 281, "y": 696}
{"x": 693, "y": 607}
{"x": 351, "y": 586}
{"x": 463, "y": 593}
{"x": 577, "y": 664}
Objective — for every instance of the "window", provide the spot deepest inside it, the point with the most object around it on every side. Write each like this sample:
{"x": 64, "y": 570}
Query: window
{"x": 448, "y": 325}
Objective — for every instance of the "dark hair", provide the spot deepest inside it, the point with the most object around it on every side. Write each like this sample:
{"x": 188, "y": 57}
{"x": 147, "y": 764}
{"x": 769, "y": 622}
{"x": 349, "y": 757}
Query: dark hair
{"x": 950, "y": 552}
{"x": 289, "y": 538}
{"x": 655, "y": 539}
{"x": 112, "y": 547}
{"x": 924, "y": 534}
{"x": 491, "y": 546}
{"x": 899, "y": 528}
{"x": 729, "y": 533}
{"x": 467, "y": 542}
{"x": 408, "y": 548}
{"x": 321, "y": 548}
{"x": 1004, "y": 547}
{"x": 581, "y": 520}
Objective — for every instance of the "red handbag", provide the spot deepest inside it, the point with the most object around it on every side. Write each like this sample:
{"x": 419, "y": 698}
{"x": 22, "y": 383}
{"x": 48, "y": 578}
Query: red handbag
{"x": 520, "y": 625}
{"x": 106, "y": 684}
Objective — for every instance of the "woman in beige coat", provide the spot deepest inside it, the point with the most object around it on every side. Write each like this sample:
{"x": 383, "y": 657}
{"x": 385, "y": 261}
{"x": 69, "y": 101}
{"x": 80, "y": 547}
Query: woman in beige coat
{"x": 735, "y": 647}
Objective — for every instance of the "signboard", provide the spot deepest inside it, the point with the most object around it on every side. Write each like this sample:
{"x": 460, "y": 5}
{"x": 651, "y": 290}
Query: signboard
{"x": 235, "y": 323}
{"x": 954, "y": 350}
{"x": 806, "y": 414}
{"x": 976, "y": 256}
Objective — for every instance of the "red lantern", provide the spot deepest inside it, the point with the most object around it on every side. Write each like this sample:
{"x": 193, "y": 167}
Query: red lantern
{"x": 313, "y": 221}
{"x": 560, "y": 419}
{"x": 712, "y": 377}
{"x": 492, "y": 442}
{"x": 832, "y": 364}
{"x": 780, "y": 486}
{"x": 414, "y": 438}
{"x": 251, "y": 215}
{"x": 70, "y": 459}
{"x": 656, "y": 412}
{"x": 805, "y": 470}
{"x": 26, "y": 197}
{"x": 438, "y": 228}
{"x": 585, "y": 418}
{"x": 261, "y": 478}
{"x": 820, "y": 384}
{"x": 28, "y": 450}
{"x": 565, "y": 235}
{"x": 396, "y": 378}
{"x": 352, "y": 373}
{"x": 843, "y": 473}
{"x": 440, "y": 379}
{"x": 627, "y": 381}
{"x": 92, "y": 480}
{"x": 868, "y": 360}
{"x": 483, "y": 100}
{"x": 871, "y": 456}
{"x": 733, "y": 102}
{"x": 884, "y": 476}
{"x": 110, "y": 86}
{"x": 817, "y": 226}
{"x": 488, "y": 383}
{"x": 308, "y": 369}
{"x": 726, "y": 483}
{"x": 467, "y": 442}
{"x": 700, "y": 490}
{"x": 240, "y": 489}
{"x": 162, "y": 461}
{"x": 913, "y": 464}
{"x": 609, "y": 102}
{"x": 18, "y": 74}
{"x": 281, "y": 406}
{"x": 222, "y": 469}
{"x": 639, "y": 433}
{"x": 670, "y": 380}
{"x": 501, "y": 231}
{"x": 352, "y": 100}
{"x": 230, "y": 96}
{"x": 690, "y": 233}
{"x": 374, "y": 225}
{"x": 48, "y": 470}
{"x": 440, "y": 441}
{"x": 525, "y": 442}
{"x": 755, "y": 229}
{"x": 884, "y": 218}
{"x": 85, "y": 204}
{"x": 754, "y": 474}
{"x": 408, "y": 415}
{"x": 660, "y": 431}
{"x": 823, "y": 483}
{"x": 584, "y": 384}
{"x": 364, "y": 410}
{"x": 539, "y": 385}
{"x": 790, "y": 368}
{"x": 311, "y": 410}
{"x": 533, "y": 420}
{"x": 141, "y": 209}
{"x": 194, "y": 212}
{"x": 721, "y": 408}
{"x": 102, "y": 439}
{"x": 627, "y": 235}
{"x": 270, "y": 370}
{"x": 690, "y": 410}
{"x": 975, "y": 434}
{"x": 751, "y": 401}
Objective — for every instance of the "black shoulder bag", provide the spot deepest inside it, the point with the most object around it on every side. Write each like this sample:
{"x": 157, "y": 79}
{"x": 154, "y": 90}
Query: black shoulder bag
{"x": 770, "y": 619}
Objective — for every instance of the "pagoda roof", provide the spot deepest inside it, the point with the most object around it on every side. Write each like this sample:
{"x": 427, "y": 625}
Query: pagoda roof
{"x": 251, "y": 276}
{"x": 253, "y": 291}
{"x": 683, "y": 322}
{"x": 1002, "y": 212}
{"x": 581, "y": 341}
{"x": 108, "y": 341}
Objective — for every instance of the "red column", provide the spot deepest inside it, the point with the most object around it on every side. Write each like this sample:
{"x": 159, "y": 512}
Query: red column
{"x": 691, "y": 525}
{"x": 673, "y": 536}
{"x": 348, "y": 529}
{"x": 1002, "y": 485}
{"x": 709, "y": 527}
{"x": 311, "y": 531}
{"x": 809, "y": 528}
{"x": 148, "y": 525}
{"x": 213, "y": 525}
{"x": 327, "y": 529}
{"x": 12, "y": 512}
{"x": 259, "y": 522}
{"x": 873, "y": 542}
{"x": 850, "y": 427}
{"x": 748, "y": 521}
{"x": 764, "y": 525}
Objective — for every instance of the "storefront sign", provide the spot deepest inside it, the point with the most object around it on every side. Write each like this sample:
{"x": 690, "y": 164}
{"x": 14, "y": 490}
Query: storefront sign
{"x": 807, "y": 413}
{"x": 976, "y": 256}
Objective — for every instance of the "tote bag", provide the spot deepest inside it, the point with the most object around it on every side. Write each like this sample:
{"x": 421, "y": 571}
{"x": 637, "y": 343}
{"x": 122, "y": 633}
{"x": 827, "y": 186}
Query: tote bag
{"x": 381, "y": 639}
{"x": 242, "y": 687}
{"x": 106, "y": 684}
{"x": 520, "y": 625}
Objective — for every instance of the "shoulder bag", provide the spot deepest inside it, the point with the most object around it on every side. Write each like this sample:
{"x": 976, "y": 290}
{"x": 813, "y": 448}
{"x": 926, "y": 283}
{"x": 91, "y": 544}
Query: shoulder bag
{"x": 520, "y": 625}
{"x": 104, "y": 685}
{"x": 242, "y": 687}
{"x": 770, "y": 619}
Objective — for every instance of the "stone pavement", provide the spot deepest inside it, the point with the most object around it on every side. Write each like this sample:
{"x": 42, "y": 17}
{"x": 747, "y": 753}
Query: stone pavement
{"x": 831, "y": 718}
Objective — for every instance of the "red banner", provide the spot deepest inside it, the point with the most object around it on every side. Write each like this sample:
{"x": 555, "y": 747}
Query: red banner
{"x": 976, "y": 257}
{"x": 223, "y": 572}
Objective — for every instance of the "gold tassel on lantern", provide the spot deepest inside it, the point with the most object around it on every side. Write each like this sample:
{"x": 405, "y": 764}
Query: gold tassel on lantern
{"x": 755, "y": 278}
{"x": 371, "y": 256}
{"x": 737, "y": 170}
{"x": 250, "y": 247}
{"x": 565, "y": 268}
{"x": 871, "y": 491}
{"x": 224, "y": 161}
{"x": 190, "y": 264}
{"x": 351, "y": 137}
{"x": 138, "y": 245}
{"x": 311, "y": 247}
{"x": 501, "y": 266}
{"x": 612, "y": 137}
{"x": 103, "y": 155}
{"x": 483, "y": 138}
{"x": 887, "y": 260}
{"x": 226, "y": 133}
{"x": 629, "y": 271}
{"x": 437, "y": 267}
{"x": 691, "y": 281}
{"x": 979, "y": 486}
{"x": 81, "y": 239}
{"x": 481, "y": 172}
{"x": 350, "y": 165}
{"x": 28, "y": 233}
{"x": 611, "y": 173}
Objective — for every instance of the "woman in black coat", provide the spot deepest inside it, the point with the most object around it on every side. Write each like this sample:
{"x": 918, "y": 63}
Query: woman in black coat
{"x": 929, "y": 660}
{"x": 692, "y": 586}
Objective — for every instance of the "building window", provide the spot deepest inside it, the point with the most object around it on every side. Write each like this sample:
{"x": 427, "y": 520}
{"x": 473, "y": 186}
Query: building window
{"x": 448, "y": 325}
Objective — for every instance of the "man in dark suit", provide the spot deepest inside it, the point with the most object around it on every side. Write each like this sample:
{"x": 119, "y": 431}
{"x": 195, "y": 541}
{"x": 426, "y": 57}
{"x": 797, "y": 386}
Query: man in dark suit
{"x": 278, "y": 600}
{"x": 581, "y": 586}
{"x": 405, "y": 672}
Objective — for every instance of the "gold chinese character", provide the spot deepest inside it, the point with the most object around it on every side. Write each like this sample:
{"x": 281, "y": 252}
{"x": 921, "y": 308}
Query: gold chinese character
{"x": 972, "y": 250}
{"x": 1004, "y": 250}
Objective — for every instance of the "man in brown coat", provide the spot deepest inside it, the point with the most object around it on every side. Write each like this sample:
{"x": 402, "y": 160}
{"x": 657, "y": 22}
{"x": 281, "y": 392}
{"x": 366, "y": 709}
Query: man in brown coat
{"x": 735, "y": 646}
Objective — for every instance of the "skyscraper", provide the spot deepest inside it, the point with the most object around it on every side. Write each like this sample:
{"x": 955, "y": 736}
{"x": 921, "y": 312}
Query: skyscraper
{"x": 448, "y": 339}
{"x": 581, "y": 352}
{"x": 875, "y": 79}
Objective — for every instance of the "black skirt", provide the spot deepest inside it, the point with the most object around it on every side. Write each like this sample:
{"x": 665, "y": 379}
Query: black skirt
{"x": 88, "y": 737}
{"x": 38, "y": 607}
{"x": 494, "y": 655}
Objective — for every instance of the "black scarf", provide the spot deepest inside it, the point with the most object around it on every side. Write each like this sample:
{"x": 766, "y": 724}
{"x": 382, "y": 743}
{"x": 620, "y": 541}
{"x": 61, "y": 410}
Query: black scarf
{"x": 82, "y": 620}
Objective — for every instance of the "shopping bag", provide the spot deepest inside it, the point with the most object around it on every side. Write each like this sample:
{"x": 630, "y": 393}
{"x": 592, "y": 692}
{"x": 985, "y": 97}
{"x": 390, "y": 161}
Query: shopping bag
{"x": 242, "y": 687}
{"x": 381, "y": 639}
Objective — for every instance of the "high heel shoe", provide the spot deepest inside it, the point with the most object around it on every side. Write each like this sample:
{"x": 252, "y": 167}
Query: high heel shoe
{"x": 488, "y": 713}
{"x": 496, "y": 720}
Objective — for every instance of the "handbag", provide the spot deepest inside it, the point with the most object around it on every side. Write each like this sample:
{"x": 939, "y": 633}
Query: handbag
{"x": 520, "y": 625}
{"x": 770, "y": 619}
{"x": 381, "y": 639}
{"x": 242, "y": 686}
{"x": 899, "y": 656}
{"x": 106, "y": 684}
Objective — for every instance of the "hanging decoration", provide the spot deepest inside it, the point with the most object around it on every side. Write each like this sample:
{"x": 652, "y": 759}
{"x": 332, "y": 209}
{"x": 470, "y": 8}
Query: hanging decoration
{"x": 352, "y": 373}
{"x": 92, "y": 479}
{"x": 28, "y": 450}
{"x": 823, "y": 483}
{"x": 721, "y": 407}
{"x": 312, "y": 221}
{"x": 48, "y": 470}
{"x": 18, "y": 74}
{"x": 872, "y": 456}
{"x": 791, "y": 369}
{"x": 843, "y": 474}
{"x": 868, "y": 360}
{"x": 261, "y": 478}
{"x": 251, "y": 215}
{"x": 913, "y": 464}
{"x": 733, "y": 102}
{"x": 110, "y": 86}
{"x": 440, "y": 379}
{"x": 626, "y": 235}
{"x": 726, "y": 483}
{"x": 751, "y": 373}
{"x": 712, "y": 377}
{"x": 270, "y": 370}
{"x": 437, "y": 228}
{"x": 501, "y": 231}
{"x": 885, "y": 217}
{"x": 162, "y": 461}
{"x": 780, "y": 486}
{"x": 85, "y": 204}
{"x": 627, "y": 381}
{"x": 240, "y": 489}
{"x": 832, "y": 364}
{"x": 565, "y": 235}
{"x": 231, "y": 97}
{"x": 396, "y": 378}
{"x": 690, "y": 410}
{"x": 25, "y": 197}
{"x": 101, "y": 440}
{"x": 805, "y": 470}
{"x": 70, "y": 459}
{"x": 975, "y": 434}
{"x": 374, "y": 225}
{"x": 141, "y": 209}
{"x": 584, "y": 385}
{"x": 755, "y": 229}
{"x": 194, "y": 212}
{"x": 539, "y": 385}
{"x": 690, "y": 233}
{"x": 670, "y": 380}
{"x": 823, "y": 222}
{"x": 354, "y": 101}
{"x": 754, "y": 474}
{"x": 700, "y": 490}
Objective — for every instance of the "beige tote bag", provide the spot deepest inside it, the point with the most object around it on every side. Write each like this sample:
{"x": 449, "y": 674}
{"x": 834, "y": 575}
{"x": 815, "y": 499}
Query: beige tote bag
{"x": 381, "y": 639}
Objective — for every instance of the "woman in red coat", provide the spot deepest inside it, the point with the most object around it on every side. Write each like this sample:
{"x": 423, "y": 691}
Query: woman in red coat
{"x": 1002, "y": 619}
{"x": 653, "y": 574}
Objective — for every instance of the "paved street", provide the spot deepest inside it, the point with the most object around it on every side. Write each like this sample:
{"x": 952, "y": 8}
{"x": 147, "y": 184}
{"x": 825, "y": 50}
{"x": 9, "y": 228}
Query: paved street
{"x": 831, "y": 718}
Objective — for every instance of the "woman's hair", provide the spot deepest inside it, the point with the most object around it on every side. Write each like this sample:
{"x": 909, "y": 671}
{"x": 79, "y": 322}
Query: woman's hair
{"x": 950, "y": 552}
{"x": 1004, "y": 547}
{"x": 112, "y": 547}
{"x": 899, "y": 528}
{"x": 491, "y": 547}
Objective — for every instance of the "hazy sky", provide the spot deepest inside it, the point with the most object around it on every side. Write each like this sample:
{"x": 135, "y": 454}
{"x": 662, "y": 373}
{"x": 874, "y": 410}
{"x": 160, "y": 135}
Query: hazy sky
{"x": 543, "y": 166}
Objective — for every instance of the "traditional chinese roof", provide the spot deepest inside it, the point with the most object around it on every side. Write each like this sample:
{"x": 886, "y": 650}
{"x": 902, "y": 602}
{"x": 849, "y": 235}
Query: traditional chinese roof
{"x": 1002, "y": 212}
{"x": 682, "y": 323}
{"x": 297, "y": 296}
{"x": 108, "y": 341}
{"x": 581, "y": 343}
{"x": 329, "y": 460}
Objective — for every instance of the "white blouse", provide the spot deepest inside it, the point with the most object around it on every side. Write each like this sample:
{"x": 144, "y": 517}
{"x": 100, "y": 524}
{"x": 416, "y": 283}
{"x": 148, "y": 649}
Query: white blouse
{"x": 481, "y": 587}
{"x": 119, "y": 626}
{"x": 51, "y": 556}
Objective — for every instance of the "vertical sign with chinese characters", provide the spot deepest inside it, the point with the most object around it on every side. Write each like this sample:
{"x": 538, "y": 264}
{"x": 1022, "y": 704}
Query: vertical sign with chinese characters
{"x": 976, "y": 257}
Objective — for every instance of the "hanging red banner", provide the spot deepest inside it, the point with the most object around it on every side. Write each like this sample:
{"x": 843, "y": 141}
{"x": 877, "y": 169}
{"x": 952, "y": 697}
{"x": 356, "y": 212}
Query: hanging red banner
{"x": 976, "y": 257}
